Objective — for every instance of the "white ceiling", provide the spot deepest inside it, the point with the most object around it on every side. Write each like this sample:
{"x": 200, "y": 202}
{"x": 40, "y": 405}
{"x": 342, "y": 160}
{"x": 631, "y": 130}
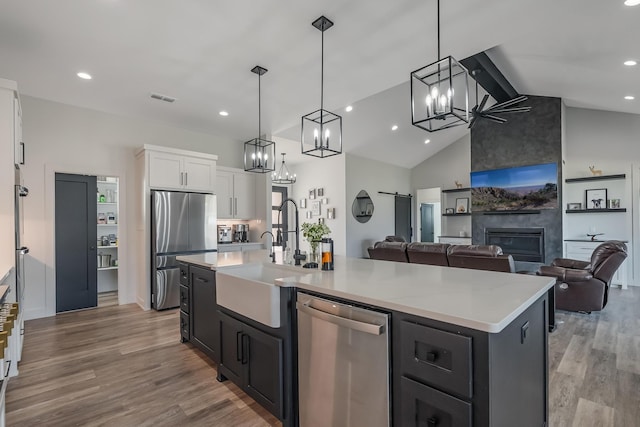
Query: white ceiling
{"x": 201, "y": 53}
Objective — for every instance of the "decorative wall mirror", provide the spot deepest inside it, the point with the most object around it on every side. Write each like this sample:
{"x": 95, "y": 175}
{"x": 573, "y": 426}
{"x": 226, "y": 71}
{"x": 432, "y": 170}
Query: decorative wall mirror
{"x": 362, "y": 207}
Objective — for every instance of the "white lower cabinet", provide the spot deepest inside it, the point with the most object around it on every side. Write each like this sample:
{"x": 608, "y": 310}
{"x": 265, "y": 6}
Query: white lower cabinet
{"x": 582, "y": 251}
{"x": 236, "y": 191}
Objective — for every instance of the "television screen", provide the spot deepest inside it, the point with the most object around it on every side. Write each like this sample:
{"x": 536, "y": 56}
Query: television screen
{"x": 513, "y": 189}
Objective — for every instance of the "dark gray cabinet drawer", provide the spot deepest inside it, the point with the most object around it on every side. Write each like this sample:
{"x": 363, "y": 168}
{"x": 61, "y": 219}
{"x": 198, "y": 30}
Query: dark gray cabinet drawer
{"x": 184, "y": 299}
{"x": 425, "y": 406}
{"x": 185, "y": 329}
{"x": 184, "y": 274}
{"x": 438, "y": 358}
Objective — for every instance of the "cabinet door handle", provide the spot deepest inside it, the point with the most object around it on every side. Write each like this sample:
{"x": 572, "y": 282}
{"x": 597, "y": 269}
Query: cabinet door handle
{"x": 239, "y": 346}
{"x": 201, "y": 279}
{"x": 432, "y": 356}
{"x": 230, "y": 205}
{"x": 245, "y": 349}
{"x": 186, "y": 178}
{"x": 23, "y": 155}
{"x": 236, "y": 208}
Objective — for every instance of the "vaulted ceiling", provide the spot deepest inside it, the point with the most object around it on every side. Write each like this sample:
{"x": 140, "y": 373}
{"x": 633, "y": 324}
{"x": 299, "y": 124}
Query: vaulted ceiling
{"x": 201, "y": 53}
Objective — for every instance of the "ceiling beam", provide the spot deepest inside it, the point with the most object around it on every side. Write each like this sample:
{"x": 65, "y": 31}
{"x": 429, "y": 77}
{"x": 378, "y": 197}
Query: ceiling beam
{"x": 489, "y": 77}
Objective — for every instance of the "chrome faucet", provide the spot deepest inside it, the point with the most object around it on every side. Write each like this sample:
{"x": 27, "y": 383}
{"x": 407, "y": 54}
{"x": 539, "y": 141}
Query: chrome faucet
{"x": 272, "y": 253}
{"x": 297, "y": 256}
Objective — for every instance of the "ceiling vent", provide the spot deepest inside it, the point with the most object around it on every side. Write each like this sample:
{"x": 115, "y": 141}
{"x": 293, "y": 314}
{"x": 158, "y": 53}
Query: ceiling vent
{"x": 164, "y": 98}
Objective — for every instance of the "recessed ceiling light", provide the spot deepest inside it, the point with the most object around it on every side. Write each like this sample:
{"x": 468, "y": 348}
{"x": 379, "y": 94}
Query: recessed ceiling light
{"x": 630, "y": 63}
{"x": 629, "y": 98}
{"x": 223, "y": 113}
{"x": 349, "y": 108}
{"x": 632, "y": 2}
{"x": 83, "y": 75}
{"x": 426, "y": 141}
{"x": 394, "y": 127}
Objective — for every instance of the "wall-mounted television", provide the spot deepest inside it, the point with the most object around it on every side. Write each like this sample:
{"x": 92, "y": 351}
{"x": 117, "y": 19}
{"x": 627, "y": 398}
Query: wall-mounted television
{"x": 512, "y": 189}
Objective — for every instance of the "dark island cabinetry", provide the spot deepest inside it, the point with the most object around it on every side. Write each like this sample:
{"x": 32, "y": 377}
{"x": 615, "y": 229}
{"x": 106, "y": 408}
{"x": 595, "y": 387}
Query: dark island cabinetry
{"x": 253, "y": 360}
{"x": 452, "y": 376}
{"x": 198, "y": 316}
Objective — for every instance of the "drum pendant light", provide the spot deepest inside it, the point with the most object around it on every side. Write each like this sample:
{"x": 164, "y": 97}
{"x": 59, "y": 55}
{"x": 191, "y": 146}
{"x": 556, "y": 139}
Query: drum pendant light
{"x": 440, "y": 93}
{"x": 259, "y": 153}
{"x": 321, "y": 130}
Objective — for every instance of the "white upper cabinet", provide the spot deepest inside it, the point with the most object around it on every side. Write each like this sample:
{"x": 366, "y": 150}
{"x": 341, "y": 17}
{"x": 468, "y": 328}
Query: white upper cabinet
{"x": 236, "y": 190}
{"x": 175, "y": 170}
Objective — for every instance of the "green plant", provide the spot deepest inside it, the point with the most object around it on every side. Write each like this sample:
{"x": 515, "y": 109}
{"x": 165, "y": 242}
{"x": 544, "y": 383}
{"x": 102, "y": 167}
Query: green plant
{"x": 313, "y": 232}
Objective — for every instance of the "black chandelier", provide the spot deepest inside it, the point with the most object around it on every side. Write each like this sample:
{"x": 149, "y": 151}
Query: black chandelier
{"x": 440, "y": 93}
{"x": 259, "y": 153}
{"x": 321, "y": 134}
{"x": 283, "y": 176}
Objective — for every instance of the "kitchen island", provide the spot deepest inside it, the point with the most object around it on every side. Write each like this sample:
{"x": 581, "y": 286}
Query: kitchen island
{"x": 467, "y": 347}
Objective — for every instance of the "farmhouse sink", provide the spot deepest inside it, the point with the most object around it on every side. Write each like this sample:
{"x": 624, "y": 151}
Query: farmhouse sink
{"x": 250, "y": 290}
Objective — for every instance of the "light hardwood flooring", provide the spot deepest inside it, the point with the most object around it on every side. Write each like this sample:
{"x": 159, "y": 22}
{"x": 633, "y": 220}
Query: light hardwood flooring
{"x": 106, "y": 299}
{"x": 121, "y": 366}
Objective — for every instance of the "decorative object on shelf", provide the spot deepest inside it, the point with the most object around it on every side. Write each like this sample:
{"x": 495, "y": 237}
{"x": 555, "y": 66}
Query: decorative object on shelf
{"x": 331, "y": 213}
{"x": 506, "y": 107}
{"x": 283, "y": 176}
{"x": 102, "y": 218}
{"x": 449, "y": 211}
{"x": 574, "y": 206}
{"x": 111, "y": 218}
{"x": 440, "y": 93}
{"x": 596, "y": 198}
{"x": 593, "y": 236}
{"x": 614, "y": 203}
{"x": 314, "y": 234}
{"x": 594, "y": 171}
{"x": 259, "y": 153}
{"x": 316, "y": 208}
{"x": 321, "y": 134}
{"x": 320, "y": 192}
{"x": 103, "y": 199}
{"x": 369, "y": 209}
{"x": 462, "y": 205}
{"x": 312, "y": 194}
{"x": 303, "y": 203}
{"x": 458, "y": 185}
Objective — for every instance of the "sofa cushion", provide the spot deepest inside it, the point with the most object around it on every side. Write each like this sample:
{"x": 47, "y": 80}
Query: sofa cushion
{"x": 428, "y": 253}
{"x": 480, "y": 257}
{"x": 389, "y": 251}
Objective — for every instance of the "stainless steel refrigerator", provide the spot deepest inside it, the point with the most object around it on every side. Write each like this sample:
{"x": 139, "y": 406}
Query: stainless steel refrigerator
{"x": 181, "y": 224}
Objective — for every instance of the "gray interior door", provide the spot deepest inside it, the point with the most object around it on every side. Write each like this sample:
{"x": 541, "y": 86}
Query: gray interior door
{"x": 403, "y": 217}
{"x": 75, "y": 242}
{"x": 426, "y": 223}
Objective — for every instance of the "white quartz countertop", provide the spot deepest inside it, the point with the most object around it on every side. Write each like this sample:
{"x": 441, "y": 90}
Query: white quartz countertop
{"x": 482, "y": 300}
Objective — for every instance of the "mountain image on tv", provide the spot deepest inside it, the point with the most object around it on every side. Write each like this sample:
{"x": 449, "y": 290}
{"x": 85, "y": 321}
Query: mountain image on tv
{"x": 512, "y": 189}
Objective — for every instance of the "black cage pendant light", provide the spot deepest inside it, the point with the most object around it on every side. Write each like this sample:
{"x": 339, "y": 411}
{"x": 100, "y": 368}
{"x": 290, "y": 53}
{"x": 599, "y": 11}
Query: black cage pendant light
{"x": 259, "y": 153}
{"x": 440, "y": 93}
{"x": 283, "y": 176}
{"x": 322, "y": 129}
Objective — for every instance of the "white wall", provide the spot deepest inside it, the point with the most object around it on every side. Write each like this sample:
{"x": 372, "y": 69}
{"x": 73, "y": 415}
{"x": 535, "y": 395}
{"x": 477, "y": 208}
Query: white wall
{"x": 610, "y": 142}
{"x": 448, "y": 165}
{"x": 329, "y": 174}
{"x": 61, "y": 138}
{"x": 372, "y": 176}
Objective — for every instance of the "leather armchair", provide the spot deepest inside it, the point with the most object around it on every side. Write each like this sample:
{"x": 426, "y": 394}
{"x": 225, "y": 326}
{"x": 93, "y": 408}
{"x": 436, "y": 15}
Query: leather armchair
{"x": 584, "y": 286}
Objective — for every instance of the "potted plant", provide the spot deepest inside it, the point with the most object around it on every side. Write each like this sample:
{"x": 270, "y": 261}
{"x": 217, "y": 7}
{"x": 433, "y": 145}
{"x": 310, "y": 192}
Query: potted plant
{"x": 314, "y": 232}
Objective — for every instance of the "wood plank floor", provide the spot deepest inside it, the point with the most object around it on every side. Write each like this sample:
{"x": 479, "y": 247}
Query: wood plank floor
{"x": 121, "y": 366}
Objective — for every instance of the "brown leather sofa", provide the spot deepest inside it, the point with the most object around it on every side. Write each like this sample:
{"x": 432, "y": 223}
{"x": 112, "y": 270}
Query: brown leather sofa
{"x": 389, "y": 251}
{"x": 584, "y": 286}
{"x": 478, "y": 257}
{"x": 428, "y": 253}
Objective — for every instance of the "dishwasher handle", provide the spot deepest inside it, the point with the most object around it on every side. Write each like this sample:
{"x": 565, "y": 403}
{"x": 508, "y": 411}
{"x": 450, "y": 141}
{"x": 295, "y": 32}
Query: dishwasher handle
{"x": 368, "y": 328}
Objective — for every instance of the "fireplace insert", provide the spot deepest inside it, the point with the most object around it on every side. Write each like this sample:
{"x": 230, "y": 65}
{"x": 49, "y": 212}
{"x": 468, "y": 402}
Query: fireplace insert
{"x": 523, "y": 244}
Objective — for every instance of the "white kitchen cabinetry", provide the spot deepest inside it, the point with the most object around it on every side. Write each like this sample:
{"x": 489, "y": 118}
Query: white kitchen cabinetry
{"x": 169, "y": 170}
{"x": 236, "y": 191}
{"x": 582, "y": 251}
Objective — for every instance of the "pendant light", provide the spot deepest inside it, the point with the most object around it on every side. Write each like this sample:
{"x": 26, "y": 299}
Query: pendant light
{"x": 321, "y": 130}
{"x": 440, "y": 93}
{"x": 259, "y": 153}
{"x": 283, "y": 176}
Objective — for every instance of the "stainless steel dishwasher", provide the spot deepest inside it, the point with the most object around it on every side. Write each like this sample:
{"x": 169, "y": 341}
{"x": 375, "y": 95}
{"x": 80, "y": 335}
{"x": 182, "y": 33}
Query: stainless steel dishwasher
{"x": 343, "y": 364}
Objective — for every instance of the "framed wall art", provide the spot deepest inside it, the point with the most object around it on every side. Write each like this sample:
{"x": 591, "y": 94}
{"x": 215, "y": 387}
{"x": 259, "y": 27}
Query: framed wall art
{"x": 596, "y": 198}
{"x": 462, "y": 205}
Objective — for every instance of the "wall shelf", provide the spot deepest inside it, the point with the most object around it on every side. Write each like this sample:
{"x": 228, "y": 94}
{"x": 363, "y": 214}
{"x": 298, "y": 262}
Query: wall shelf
{"x": 456, "y": 190}
{"x": 108, "y": 247}
{"x": 107, "y": 182}
{"x": 107, "y": 203}
{"x": 108, "y": 268}
{"x": 596, "y": 178}
{"x": 522, "y": 212}
{"x": 571, "y": 211}
{"x": 457, "y": 214}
